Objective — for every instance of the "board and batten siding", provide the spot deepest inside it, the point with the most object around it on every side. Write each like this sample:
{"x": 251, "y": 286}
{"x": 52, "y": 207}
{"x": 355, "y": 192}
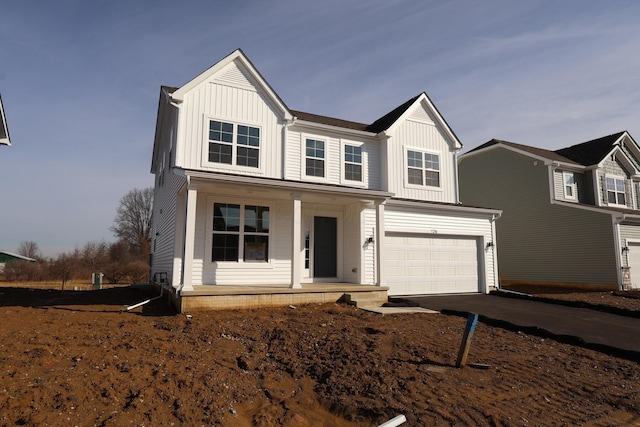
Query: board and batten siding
{"x": 445, "y": 224}
{"x": 423, "y": 136}
{"x": 237, "y": 101}
{"x": 538, "y": 241}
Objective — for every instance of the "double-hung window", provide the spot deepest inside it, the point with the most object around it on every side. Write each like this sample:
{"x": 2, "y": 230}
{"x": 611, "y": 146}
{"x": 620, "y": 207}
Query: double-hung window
{"x": 569, "y": 185}
{"x": 423, "y": 168}
{"x": 234, "y": 144}
{"x": 315, "y": 158}
{"x": 240, "y": 232}
{"x": 616, "y": 191}
{"x": 352, "y": 163}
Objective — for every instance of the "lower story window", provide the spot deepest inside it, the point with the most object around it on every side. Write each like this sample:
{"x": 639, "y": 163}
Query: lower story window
{"x": 240, "y": 232}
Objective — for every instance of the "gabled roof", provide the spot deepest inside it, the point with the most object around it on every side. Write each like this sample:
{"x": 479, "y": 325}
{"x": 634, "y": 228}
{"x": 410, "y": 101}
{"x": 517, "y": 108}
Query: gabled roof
{"x": 4, "y": 130}
{"x": 385, "y": 122}
{"x": 525, "y": 149}
{"x": 9, "y": 256}
{"x": 239, "y": 56}
{"x": 584, "y": 154}
{"x": 591, "y": 152}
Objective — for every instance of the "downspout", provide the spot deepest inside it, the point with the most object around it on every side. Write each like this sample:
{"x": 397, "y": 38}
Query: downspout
{"x": 496, "y": 279}
{"x": 455, "y": 176}
{"x": 617, "y": 220}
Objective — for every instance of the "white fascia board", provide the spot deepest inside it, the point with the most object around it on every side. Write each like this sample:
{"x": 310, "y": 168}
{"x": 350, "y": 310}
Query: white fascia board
{"x": 287, "y": 185}
{"x": 440, "y": 122}
{"x": 336, "y": 129}
{"x": 448, "y": 208}
{"x": 628, "y": 140}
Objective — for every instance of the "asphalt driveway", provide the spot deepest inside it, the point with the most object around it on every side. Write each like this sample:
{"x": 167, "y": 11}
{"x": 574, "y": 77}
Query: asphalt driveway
{"x": 611, "y": 333}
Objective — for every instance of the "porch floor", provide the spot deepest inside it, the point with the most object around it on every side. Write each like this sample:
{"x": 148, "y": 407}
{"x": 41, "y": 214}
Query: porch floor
{"x": 217, "y": 297}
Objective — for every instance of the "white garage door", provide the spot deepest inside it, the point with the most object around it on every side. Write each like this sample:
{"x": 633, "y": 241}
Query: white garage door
{"x": 430, "y": 264}
{"x": 633, "y": 257}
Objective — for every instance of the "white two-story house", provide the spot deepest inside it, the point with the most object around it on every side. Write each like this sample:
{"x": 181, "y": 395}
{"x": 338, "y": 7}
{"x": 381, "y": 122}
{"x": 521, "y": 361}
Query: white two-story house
{"x": 251, "y": 192}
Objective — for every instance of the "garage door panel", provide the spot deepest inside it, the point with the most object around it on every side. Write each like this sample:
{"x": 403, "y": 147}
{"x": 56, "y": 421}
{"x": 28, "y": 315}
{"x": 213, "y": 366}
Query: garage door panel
{"x": 426, "y": 265}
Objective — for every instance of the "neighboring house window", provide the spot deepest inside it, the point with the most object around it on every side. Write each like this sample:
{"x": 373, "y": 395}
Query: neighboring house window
{"x": 352, "y": 163}
{"x": 569, "y": 185}
{"x": 423, "y": 168}
{"x": 227, "y": 138}
{"x": 315, "y": 156}
{"x": 616, "y": 191}
{"x": 240, "y": 232}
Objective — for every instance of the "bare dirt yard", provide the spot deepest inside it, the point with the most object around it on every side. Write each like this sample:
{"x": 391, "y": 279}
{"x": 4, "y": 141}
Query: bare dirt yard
{"x": 74, "y": 359}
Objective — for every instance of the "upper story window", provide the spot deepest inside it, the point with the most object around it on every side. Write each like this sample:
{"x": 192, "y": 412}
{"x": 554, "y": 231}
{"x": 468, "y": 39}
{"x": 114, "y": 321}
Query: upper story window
{"x": 616, "y": 191}
{"x": 315, "y": 158}
{"x": 569, "y": 185}
{"x": 234, "y": 144}
{"x": 353, "y": 163}
{"x": 240, "y": 232}
{"x": 423, "y": 168}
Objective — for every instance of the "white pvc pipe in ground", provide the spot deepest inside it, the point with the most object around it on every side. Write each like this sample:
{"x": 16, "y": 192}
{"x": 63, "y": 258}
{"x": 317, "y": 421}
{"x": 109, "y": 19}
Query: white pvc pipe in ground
{"x": 400, "y": 419}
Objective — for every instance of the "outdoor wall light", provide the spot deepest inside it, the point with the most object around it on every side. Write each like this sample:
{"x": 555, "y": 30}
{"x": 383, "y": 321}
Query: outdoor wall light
{"x": 625, "y": 249}
{"x": 489, "y": 245}
{"x": 369, "y": 240}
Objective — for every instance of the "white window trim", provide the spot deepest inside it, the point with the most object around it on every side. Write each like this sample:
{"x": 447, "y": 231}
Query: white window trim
{"x": 303, "y": 159}
{"x": 260, "y": 170}
{"x": 574, "y": 187}
{"x": 405, "y": 168}
{"x": 343, "y": 162}
{"x": 616, "y": 177}
{"x": 241, "y": 263}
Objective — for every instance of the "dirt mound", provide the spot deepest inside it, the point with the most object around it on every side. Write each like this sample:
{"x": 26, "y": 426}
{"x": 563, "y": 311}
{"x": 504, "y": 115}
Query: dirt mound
{"x": 74, "y": 358}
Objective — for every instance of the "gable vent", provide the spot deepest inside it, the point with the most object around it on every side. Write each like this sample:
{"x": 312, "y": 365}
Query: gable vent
{"x": 235, "y": 76}
{"x": 421, "y": 115}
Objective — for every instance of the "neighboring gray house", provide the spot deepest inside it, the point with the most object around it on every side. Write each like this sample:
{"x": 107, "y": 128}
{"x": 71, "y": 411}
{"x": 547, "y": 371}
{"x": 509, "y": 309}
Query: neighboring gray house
{"x": 4, "y": 130}
{"x": 570, "y": 217}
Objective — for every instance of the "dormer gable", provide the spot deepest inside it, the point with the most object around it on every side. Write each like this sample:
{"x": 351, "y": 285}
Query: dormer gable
{"x": 419, "y": 109}
{"x": 237, "y": 70}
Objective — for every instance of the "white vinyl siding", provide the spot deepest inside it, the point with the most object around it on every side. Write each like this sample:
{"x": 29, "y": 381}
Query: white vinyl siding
{"x": 229, "y": 97}
{"x": 334, "y": 157}
{"x": 426, "y": 138}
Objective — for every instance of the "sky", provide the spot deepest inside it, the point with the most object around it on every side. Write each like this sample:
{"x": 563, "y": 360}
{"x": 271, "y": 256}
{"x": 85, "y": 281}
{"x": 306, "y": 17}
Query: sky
{"x": 80, "y": 82}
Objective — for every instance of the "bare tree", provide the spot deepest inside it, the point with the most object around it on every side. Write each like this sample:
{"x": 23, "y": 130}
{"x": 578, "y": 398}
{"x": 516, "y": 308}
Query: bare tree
{"x": 132, "y": 223}
{"x": 29, "y": 249}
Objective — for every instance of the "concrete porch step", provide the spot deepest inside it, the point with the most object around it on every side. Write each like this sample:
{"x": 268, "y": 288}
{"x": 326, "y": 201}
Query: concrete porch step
{"x": 366, "y": 299}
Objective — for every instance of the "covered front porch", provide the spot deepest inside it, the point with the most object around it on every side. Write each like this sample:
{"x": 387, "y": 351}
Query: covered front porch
{"x": 207, "y": 297}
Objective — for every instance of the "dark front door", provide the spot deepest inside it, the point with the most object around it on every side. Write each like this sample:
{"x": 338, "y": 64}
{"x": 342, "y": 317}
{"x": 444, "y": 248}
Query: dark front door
{"x": 324, "y": 246}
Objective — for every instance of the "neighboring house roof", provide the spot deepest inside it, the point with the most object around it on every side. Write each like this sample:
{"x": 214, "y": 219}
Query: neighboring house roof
{"x": 537, "y": 152}
{"x": 4, "y": 130}
{"x": 583, "y": 154}
{"x": 9, "y": 256}
{"x": 331, "y": 121}
{"x": 591, "y": 152}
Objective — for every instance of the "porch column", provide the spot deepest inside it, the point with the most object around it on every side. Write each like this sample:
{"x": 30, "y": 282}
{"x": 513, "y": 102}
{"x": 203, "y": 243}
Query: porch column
{"x": 296, "y": 237}
{"x": 380, "y": 273}
{"x": 189, "y": 238}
